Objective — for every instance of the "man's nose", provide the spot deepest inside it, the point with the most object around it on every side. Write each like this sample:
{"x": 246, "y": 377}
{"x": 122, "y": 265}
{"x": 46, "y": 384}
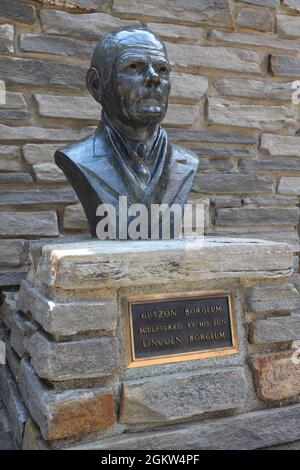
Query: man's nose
{"x": 152, "y": 77}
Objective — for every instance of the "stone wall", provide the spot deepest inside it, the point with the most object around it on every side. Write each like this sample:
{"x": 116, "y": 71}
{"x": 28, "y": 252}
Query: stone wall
{"x": 233, "y": 68}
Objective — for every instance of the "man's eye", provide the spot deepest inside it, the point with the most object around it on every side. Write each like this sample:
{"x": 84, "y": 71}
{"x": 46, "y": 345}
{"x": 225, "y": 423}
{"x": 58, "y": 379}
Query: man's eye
{"x": 135, "y": 66}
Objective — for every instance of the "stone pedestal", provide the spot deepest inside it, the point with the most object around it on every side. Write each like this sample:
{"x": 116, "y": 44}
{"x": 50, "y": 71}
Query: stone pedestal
{"x": 67, "y": 381}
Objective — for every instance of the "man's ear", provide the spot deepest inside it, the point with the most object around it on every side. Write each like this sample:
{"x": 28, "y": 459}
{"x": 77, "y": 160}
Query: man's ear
{"x": 93, "y": 84}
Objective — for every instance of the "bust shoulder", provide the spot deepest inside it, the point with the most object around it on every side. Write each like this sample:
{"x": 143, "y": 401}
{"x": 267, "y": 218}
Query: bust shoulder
{"x": 83, "y": 150}
{"x": 77, "y": 152}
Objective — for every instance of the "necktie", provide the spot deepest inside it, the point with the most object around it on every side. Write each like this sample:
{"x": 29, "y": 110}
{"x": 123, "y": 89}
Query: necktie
{"x": 142, "y": 169}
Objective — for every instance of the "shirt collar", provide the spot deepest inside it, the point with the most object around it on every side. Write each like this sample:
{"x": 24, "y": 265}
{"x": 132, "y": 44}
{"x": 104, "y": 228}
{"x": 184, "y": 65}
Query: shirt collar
{"x": 136, "y": 151}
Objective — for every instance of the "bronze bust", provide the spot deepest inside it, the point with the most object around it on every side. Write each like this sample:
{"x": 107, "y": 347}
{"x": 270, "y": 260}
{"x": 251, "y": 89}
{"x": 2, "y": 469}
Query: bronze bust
{"x": 129, "y": 154}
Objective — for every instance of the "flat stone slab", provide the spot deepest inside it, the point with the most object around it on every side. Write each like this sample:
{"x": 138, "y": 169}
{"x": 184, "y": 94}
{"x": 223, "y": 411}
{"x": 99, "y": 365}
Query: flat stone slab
{"x": 170, "y": 398}
{"x": 246, "y": 431}
{"x": 6, "y": 441}
{"x": 99, "y": 264}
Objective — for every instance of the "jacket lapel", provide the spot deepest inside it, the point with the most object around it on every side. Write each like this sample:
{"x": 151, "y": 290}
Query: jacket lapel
{"x": 179, "y": 174}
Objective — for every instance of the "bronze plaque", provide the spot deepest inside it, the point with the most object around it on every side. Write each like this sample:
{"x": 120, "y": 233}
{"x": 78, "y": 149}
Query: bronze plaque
{"x": 178, "y": 327}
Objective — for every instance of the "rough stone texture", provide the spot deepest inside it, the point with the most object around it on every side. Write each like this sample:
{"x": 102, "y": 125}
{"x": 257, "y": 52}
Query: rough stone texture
{"x": 275, "y": 330}
{"x": 17, "y": 412}
{"x": 6, "y": 439}
{"x": 272, "y": 165}
{"x": 195, "y": 12}
{"x": 68, "y": 319}
{"x": 277, "y": 376}
{"x": 177, "y": 32}
{"x": 292, "y": 6}
{"x": 289, "y": 185}
{"x": 280, "y": 145}
{"x": 168, "y": 399}
{"x": 224, "y": 58}
{"x": 17, "y": 11}
{"x": 258, "y": 89}
{"x": 67, "y": 414}
{"x": 254, "y": 18}
{"x": 21, "y": 332}
{"x": 89, "y": 26}
{"x": 40, "y": 153}
{"x": 74, "y": 4}
{"x": 13, "y": 361}
{"x": 48, "y": 173}
{"x": 12, "y": 277}
{"x": 269, "y": 118}
{"x": 41, "y": 72}
{"x": 38, "y": 134}
{"x": 40, "y": 224}
{"x": 225, "y": 152}
{"x": 181, "y": 115}
{"x": 88, "y": 358}
{"x": 7, "y": 32}
{"x": 289, "y": 235}
{"x": 10, "y": 158}
{"x": 37, "y": 197}
{"x": 289, "y": 446}
{"x": 75, "y": 218}
{"x": 221, "y": 164}
{"x": 12, "y": 252}
{"x": 263, "y": 3}
{"x": 15, "y": 178}
{"x": 271, "y": 41}
{"x": 68, "y": 106}
{"x": 257, "y": 216}
{"x": 281, "y": 298}
{"x": 231, "y": 183}
{"x": 56, "y": 45}
{"x": 285, "y": 66}
{"x": 188, "y": 87}
{"x": 111, "y": 263}
{"x": 7, "y": 309}
{"x": 32, "y": 439}
{"x": 247, "y": 431}
{"x": 209, "y": 136}
{"x": 288, "y": 25}
{"x": 14, "y": 108}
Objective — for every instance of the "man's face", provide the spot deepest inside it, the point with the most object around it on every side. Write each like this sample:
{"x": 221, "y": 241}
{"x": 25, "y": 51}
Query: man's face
{"x": 140, "y": 85}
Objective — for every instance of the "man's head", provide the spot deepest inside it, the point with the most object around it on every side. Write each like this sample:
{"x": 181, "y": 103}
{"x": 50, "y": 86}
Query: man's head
{"x": 129, "y": 76}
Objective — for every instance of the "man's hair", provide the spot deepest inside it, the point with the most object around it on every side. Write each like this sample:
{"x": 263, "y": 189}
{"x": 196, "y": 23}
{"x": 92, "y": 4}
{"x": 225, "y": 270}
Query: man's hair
{"x": 107, "y": 51}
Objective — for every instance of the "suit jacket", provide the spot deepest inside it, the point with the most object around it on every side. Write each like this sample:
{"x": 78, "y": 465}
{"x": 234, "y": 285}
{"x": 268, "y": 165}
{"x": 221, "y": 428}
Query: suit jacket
{"x": 95, "y": 171}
